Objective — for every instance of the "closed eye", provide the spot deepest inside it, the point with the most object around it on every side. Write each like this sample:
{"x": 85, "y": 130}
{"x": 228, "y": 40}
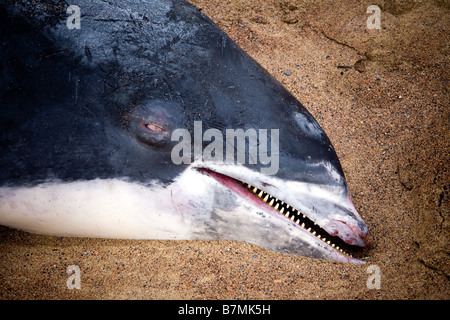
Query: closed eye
{"x": 154, "y": 127}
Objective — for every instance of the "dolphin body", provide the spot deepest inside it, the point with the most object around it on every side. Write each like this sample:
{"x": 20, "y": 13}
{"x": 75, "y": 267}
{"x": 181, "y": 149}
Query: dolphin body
{"x": 87, "y": 133}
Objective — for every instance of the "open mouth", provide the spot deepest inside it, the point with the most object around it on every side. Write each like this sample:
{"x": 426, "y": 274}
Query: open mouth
{"x": 270, "y": 203}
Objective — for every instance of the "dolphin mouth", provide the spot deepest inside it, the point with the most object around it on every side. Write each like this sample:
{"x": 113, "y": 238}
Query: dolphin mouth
{"x": 339, "y": 249}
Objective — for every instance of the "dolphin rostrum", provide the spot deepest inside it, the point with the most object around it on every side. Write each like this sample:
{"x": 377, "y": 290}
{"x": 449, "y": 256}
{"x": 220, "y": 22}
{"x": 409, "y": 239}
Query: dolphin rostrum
{"x": 143, "y": 120}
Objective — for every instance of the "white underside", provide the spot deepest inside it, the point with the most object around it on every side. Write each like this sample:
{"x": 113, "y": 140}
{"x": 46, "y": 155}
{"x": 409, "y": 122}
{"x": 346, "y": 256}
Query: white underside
{"x": 114, "y": 208}
{"x": 195, "y": 206}
{"x": 107, "y": 208}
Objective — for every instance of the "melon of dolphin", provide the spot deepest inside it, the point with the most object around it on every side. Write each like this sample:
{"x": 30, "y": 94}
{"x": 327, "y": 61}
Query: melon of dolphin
{"x": 89, "y": 111}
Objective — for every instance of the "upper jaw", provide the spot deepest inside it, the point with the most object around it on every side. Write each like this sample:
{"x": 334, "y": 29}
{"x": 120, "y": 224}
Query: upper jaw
{"x": 332, "y": 211}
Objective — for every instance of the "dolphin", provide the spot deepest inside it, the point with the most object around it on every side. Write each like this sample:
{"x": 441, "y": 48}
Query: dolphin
{"x": 144, "y": 120}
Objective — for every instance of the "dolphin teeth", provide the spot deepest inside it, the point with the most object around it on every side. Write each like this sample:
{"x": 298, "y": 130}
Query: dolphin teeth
{"x": 294, "y": 215}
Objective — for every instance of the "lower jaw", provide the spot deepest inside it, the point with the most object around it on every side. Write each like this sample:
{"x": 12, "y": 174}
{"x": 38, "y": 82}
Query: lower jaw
{"x": 236, "y": 187}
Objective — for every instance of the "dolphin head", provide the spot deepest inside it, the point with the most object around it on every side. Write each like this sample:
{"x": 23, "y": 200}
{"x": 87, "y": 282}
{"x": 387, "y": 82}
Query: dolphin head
{"x": 150, "y": 123}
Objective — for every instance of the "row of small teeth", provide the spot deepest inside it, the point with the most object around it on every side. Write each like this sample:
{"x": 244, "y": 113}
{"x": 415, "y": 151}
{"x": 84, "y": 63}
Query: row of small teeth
{"x": 290, "y": 213}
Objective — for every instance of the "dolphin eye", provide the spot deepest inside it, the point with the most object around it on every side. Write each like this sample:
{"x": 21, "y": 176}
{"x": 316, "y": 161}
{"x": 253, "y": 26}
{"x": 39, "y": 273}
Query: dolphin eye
{"x": 150, "y": 132}
{"x": 152, "y": 123}
{"x": 155, "y": 127}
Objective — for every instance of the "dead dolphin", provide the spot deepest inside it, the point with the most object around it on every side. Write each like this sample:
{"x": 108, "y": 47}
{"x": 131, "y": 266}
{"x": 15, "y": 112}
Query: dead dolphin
{"x": 143, "y": 120}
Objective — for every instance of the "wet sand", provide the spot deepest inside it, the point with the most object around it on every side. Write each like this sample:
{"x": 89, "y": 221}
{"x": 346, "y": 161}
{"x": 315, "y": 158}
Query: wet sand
{"x": 380, "y": 95}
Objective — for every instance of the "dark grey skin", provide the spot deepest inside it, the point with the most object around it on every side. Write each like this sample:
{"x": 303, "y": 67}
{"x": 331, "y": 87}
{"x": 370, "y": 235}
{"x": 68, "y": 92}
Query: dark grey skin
{"x": 95, "y": 109}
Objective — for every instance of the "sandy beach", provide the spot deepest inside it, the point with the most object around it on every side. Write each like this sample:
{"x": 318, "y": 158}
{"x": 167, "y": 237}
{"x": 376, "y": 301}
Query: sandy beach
{"x": 382, "y": 97}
